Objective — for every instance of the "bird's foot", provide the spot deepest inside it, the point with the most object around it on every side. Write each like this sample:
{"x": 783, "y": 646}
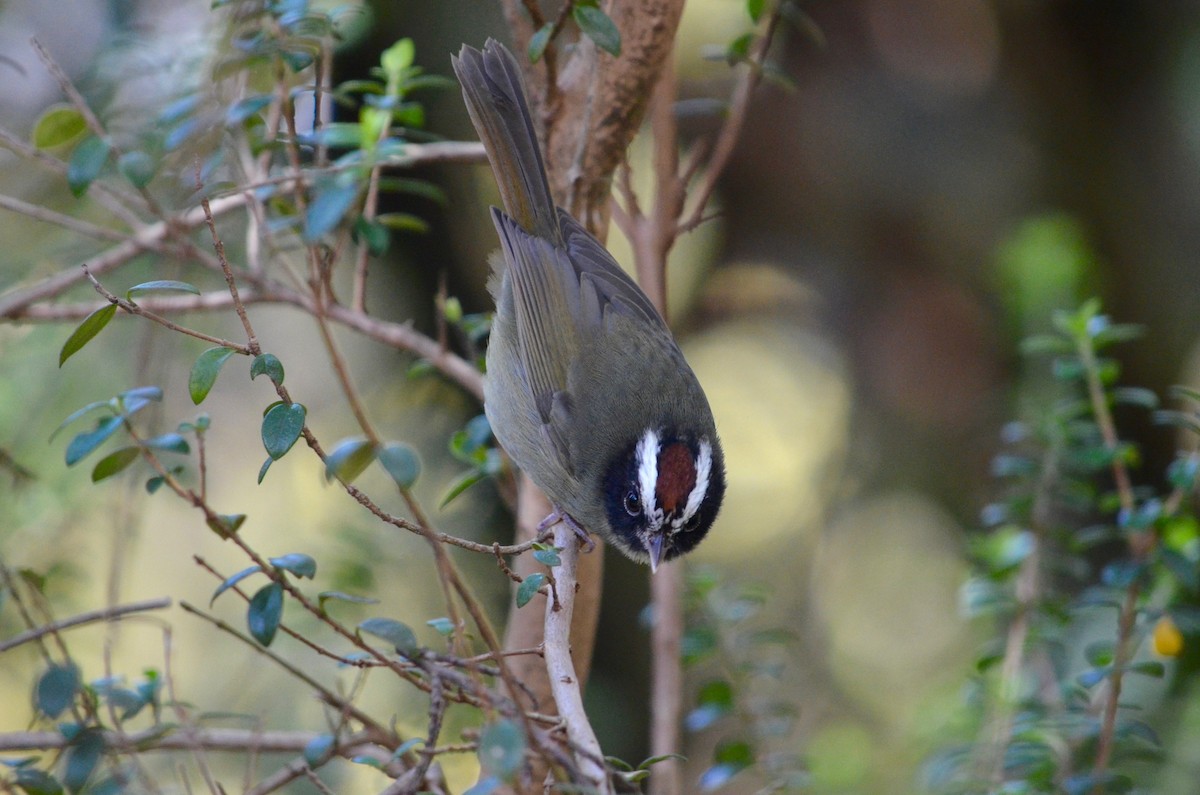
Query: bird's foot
{"x": 556, "y": 516}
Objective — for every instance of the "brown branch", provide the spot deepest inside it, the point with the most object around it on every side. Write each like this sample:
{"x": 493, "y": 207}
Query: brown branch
{"x": 104, "y": 614}
{"x": 731, "y": 130}
{"x": 135, "y": 309}
{"x": 564, "y": 681}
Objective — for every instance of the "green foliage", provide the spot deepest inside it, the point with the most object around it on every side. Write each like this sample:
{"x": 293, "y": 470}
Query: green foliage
{"x": 399, "y": 634}
{"x": 529, "y": 587}
{"x": 89, "y": 158}
{"x": 597, "y": 26}
{"x": 501, "y": 749}
{"x": 205, "y": 371}
{"x": 59, "y": 125}
{"x": 1066, "y": 480}
{"x": 739, "y": 662}
{"x": 92, "y": 325}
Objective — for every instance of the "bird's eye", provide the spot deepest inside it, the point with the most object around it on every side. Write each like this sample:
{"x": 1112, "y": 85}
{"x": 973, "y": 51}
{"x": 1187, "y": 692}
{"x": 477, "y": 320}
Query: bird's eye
{"x": 633, "y": 503}
{"x": 692, "y": 523}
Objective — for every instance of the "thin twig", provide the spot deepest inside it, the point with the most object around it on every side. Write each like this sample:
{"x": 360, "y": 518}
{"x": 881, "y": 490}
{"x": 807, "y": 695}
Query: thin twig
{"x": 561, "y": 669}
{"x": 134, "y": 309}
{"x": 105, "y": 614}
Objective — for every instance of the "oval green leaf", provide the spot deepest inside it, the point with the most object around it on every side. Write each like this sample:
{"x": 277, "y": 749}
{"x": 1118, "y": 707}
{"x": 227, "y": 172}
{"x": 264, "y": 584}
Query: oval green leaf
{"x": 281, "y": 427}
{"x": 269, "y": 365}
{"x": 226, "y": 524}
{"x": 83, "y": 333}
{"x": 86, "y": 162}
{"x": 318, "y": 749}
{"x": 56, "y": 689}
{"x": 58, "y": 125}
{"x": 401, "y": 462}
{"x": 538, "y": 42}
{"x": 266, "y": 609}
{"x": 528, "y": 587}
{"x": 85, "y": 443}
{"x": 340, "y": 596}
{"x": 501, "y": 749}
{"x": 297, "y": 563}
{"x": 82, "y": 758}
{"x": 397, "y": 633}
{"x": 598, "y": 27}
{"x": 348, "y": 459}
{"x": 205, "y": 371}
{"x": 37, "y": 782}
{"x": 161, "y": 286}
{"x": 232, "y": 581}
{"x": 169, "y": 442}
{"x": 114, "y": 462}
{"x": 262, "y": 471}
{"x": 137, "y": 167}
{"x": 329, "y": 205}
{"x": 403, "y": 222}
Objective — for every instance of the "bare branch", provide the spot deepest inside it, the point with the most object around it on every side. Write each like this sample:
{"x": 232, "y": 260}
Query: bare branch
{"x": 104, "y": 614}
{"x": 564, "y": 682}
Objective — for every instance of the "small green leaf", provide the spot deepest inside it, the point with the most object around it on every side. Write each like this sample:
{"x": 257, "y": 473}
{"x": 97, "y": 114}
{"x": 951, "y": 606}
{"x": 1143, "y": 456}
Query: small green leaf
{"x": 161, "y": 286}
{"x": 348, "y": 459}
{"x": 318, "y": 749}
{"x": 265, "y": 612}
{"x": 528, "y": 587}
{"x": 86, "y": 162}
{"x": 134, "y": 400}
{"x": 547, "y": 557}
{"x": 56, "y": 689}
{"x": 137, "y": 167}
{"x": 74, "y": 415}
{"x": 398, "y": 634}
{"x": 598, "y": 27}
{"x": 373, "y": 235}
{"x": 114, "y": 462}
{"x": 281, "y": 428}
{"x": 339, "y": 596}
{"x": 82, "y": 758}
{"x": 269, "y": 365}
{"x": 443, "y": 626}
{"x": 755, "y": 9}
{"x": 398, "y": 57}
{"x": 205, "y": 371}
{"x": 297, "y": 563}
{"x": 169, "y": 442}
{"x": 232, "y": 581}
{"x": 501, "y": 749}
{"x": 226, "y": 524}
{"x": 83, "y": 333}
{"x": 468, "y": 480}
{"x": 329, "y": 205}
{"x": 85, "y": 443}
{"x": 37, "y": 782}
{"x": 239, "y": 111}
{"x": 401, "y": 462}
{"x": 539, "y": 41}
{"x": 262, "y": 470}
{"x": 403, "y": 222}
{"x": 58, "y": 125}
{"x": 1152, "y": 668}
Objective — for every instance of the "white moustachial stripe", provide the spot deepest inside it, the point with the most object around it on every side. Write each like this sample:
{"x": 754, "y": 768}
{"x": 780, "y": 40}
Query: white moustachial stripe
{"x": 703, "y": 471}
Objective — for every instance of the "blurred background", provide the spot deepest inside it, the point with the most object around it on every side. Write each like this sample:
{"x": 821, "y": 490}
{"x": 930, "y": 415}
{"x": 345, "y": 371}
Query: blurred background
{"x": 942, "y": 176}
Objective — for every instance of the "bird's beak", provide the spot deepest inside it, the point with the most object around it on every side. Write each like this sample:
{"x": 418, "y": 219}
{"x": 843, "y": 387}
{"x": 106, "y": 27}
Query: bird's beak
{"x": 654, "y": 546}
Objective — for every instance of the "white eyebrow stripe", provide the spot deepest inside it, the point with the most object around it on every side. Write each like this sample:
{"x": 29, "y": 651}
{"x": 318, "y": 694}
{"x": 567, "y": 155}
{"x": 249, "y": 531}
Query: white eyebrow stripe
{"x": 703, "y": 472}
{"x": 647, "y": 475}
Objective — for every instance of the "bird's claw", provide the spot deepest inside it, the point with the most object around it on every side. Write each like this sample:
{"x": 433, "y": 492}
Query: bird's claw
{"x": 556, "y": 516}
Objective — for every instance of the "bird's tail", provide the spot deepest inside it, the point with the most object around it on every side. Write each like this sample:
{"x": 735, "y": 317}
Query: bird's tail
{"x": 495, "y": 97}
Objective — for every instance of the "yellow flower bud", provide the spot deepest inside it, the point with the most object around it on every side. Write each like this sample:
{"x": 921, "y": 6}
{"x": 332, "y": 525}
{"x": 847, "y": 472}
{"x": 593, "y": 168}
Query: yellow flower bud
{"x": 1168, "y": 640}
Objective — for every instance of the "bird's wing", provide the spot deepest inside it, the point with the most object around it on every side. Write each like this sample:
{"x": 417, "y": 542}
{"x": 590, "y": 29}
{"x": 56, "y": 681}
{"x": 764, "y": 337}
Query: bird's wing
{"x": 546, "y": 298}
{"x": 603, "y": 286}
